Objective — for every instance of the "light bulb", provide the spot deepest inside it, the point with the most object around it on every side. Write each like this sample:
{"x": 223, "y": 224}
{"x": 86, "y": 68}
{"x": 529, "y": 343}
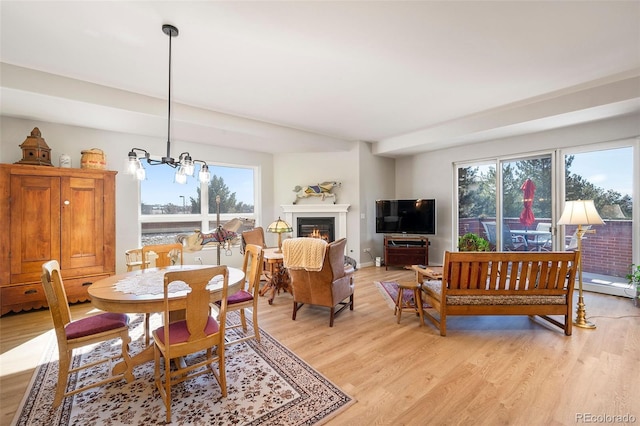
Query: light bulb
{"x": 204, "y": 176}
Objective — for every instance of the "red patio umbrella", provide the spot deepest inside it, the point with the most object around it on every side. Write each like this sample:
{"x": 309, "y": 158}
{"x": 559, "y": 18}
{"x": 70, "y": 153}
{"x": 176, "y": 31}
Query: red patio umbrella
{"x": 528, "y": 189}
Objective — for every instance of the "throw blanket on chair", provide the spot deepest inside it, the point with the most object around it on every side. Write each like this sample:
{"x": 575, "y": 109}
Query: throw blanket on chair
{"x": 304, "y": 253}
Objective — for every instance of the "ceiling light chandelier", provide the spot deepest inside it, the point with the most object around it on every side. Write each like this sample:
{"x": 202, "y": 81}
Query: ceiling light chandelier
{"x": 184, "y": 165}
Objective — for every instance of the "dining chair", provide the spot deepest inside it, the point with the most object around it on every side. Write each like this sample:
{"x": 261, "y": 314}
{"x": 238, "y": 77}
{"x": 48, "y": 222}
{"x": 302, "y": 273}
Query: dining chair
{"x": 76, "y": 334}
{"x": 165, "y": 255}
{"x": 133, "y": 260}
{"x": 247, "y": 297}
{"x": 256, "y": 236}
{"x": 199, "y": 331}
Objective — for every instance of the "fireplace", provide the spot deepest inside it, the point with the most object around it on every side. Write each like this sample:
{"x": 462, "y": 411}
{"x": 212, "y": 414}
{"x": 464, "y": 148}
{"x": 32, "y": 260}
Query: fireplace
{"x": 335, "y": 212}
{"x": 317, "y": 227}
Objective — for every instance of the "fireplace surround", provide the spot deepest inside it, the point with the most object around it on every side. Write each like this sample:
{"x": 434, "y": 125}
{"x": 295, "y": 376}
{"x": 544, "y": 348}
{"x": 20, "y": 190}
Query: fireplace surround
{"x": 337, "y": 211}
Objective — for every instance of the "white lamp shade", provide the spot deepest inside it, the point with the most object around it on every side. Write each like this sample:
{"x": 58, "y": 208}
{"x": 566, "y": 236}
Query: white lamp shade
{"x": 580, "y": 212}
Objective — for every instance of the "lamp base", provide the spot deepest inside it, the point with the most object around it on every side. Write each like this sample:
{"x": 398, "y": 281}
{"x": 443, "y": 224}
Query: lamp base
{"x": 581, "y": 316}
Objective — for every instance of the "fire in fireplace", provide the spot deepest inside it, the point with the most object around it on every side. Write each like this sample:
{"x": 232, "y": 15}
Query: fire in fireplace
{"x": 317, "y": 227}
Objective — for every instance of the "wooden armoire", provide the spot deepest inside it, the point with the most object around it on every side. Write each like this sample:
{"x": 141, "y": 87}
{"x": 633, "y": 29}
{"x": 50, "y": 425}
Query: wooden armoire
{"x": 54, "y": 213}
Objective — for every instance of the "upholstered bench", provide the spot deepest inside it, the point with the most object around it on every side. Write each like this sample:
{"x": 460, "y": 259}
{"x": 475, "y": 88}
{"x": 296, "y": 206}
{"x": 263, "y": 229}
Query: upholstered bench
{"x": 502, "y": 283}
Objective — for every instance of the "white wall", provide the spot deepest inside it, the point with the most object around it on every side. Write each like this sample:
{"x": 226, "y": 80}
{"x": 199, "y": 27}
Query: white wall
{"x": 377, "y": 181}
{"x": 304, "y": 169}
{"x": 72, "y": 140}
{"x": 431, "y": 174}
{"x": 364, "y": 179}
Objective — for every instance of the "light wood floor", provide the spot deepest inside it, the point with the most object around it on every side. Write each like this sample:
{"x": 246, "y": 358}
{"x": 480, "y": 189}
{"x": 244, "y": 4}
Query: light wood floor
{"x": 487, "y": 371}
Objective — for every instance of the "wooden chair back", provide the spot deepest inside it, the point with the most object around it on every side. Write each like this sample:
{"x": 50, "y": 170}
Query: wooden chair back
{"x": 545, "y": 273}
{"x": 86, "y": 331}
{"x": 254, "y": 236}
{"x": 197, "y": 310}
{"x": 252, "y": 268}
{"x": 133, "y": 260}
{"x": 248, "y": 296}
{"x": 166, "y": 254}
{"x": 56, "y": 299}
{"x": 197, "y": 332}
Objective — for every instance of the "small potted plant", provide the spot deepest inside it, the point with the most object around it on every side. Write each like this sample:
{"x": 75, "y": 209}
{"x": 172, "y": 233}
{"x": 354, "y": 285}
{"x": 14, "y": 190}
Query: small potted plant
{"x": 634, "y": 280}
{"x": 472, "y": 242}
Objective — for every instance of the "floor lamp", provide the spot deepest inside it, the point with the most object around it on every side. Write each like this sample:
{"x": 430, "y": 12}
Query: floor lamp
{"x": 581, "y": 212}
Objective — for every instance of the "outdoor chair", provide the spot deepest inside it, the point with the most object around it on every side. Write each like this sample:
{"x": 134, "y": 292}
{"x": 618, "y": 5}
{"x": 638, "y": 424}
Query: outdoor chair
{"x": 541, "y": 242}
{"x": 510, "y": 242}
{"x": 572, "y": 240}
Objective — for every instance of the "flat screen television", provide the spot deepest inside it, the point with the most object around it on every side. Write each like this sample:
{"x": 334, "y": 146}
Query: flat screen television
{"x": 416, "y": 216}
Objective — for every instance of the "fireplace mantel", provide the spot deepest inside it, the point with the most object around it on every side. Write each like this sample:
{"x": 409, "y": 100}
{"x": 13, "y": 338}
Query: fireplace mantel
{"x": 339, "y": 211}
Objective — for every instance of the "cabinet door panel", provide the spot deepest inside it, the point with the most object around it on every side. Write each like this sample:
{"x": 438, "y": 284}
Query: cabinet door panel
{"x": 35, "y": 219}
{"x": 82, "y": 224}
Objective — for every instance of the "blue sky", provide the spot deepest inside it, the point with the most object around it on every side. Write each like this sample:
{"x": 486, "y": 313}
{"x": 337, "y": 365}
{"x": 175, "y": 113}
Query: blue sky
{"x": 610, "y": 169}
{"x": 159, "y": 187}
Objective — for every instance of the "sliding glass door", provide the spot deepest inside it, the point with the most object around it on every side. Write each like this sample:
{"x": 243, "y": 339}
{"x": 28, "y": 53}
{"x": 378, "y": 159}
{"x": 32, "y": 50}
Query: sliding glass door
{"x": 527, "y": 203}
{"x": 515, "y": 203}
{"x": 606, "y": 176}
{"x": 508, "y": 202}
{"x": 476, "y": 200}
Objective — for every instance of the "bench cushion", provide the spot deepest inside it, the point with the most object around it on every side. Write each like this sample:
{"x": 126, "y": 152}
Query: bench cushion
{"x": 435, "y": 288}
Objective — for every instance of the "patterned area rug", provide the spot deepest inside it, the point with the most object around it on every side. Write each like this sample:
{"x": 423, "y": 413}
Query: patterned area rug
{"x": 266, "y": 384}
{"x": 389, "y": 291}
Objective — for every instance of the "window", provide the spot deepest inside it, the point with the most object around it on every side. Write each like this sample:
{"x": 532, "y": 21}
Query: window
{"x": 604, "y": 174}
{"x": 490, "y": 196}
{"x": 491, "y": 201}
{"x": 168, "y": 208}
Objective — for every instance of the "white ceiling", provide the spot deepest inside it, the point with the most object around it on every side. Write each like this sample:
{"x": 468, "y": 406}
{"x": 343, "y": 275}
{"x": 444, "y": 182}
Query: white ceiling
{"x": 312, "y": 75}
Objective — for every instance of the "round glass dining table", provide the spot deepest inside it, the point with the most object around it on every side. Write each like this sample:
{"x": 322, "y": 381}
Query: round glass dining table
{"x": 107, "y": 295}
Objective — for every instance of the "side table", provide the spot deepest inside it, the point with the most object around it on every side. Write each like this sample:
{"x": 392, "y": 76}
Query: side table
{"x": 279, "y": 277}
{"x": 431, "y": 272}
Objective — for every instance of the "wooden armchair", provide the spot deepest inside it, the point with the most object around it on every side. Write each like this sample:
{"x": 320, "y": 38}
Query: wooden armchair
{"x": 331, "y": 286}
{"x": 134, "y": 260}
{"x": 255, "y": 236}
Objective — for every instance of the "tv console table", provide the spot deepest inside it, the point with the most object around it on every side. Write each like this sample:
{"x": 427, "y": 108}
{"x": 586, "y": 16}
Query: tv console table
{"x": 404, "y": 250}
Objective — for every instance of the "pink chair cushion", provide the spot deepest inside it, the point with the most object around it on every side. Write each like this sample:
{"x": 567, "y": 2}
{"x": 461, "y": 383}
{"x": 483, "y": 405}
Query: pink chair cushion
{"x": 95, "y": 324}
{"x": 178, "y": 332}
{"x": 239, "y": 297}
